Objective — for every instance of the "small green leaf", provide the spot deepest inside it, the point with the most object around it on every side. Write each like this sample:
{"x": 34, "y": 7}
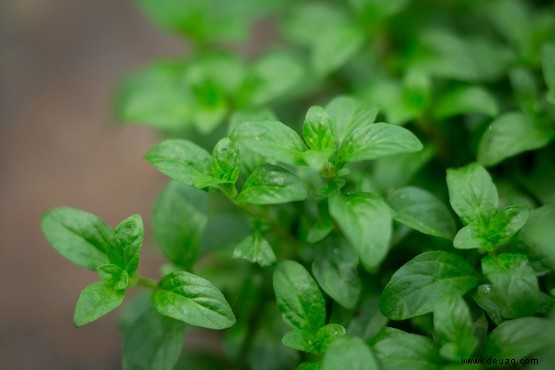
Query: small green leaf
{"x": 327, "y": 335}
{"x": 298, "y": 297}
{"x": 95, "y": 301}
{"x": 466, "y": 100}
{"x": 472, "y": 237}
{"x": 422, "y": 211}
{"x": 114, "y": 276}
{"x": 152, "y": 342}
{"x": 415, "y": 288}
{"x": 347, "y": 114}
{"x": 507, "y": 223}
{"x": 349, "y": 353}
{"x": 79, "y": 236}
{"x": 319, "y": 230}
{"x": 366, "y": 221}
{"x": 179, "y": 159}
{"x": 538, "y": 233}
{"x": 519, "y": 338}
{"x": 272, "y": 185}
{"x": 193, "y": 300}
{"x": 225, "y": 161}
{"x": 127, "y": 242}
{"x": 256, "y": 249}
{"x": 399, "y": 350}
{"x": 514, "y": 282}
{"x": 453, "y": 328}
{"x": 317, "y": 129}
{"x": 301, "y": 340}
{"x": 271, "y": 139}
{"x": 472, "y": 193}
{"x": 489, "y": 300}
{"x": 378, "y": 140}
{"x": 179, "y": 221}
{"x": 335, "y": 270}
{"x": 512, "y": 134}
{"x": 334, "y": 45}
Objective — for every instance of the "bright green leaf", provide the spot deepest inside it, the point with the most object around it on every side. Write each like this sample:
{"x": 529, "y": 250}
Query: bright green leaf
{"x": 179, "y": 221}
{"x": 327, "y": 335}
{"x": 415, "y": 288}
{"x": 179, "y": 159}
{"x": 301, "y": 340}
{"x": 271, "y": 139}
{"x": 126, "y": 244}
{"x": 225, "y": 161}
{"x": 349, "y": 353}
{"x": 298, "y": 297}
{"x": 366, "y": 221}
{"x": 95, "y": 301}
{"x": 114, "y": 276}
{"x": 153, "y": 342}
{"x": 347, "y": 114}
{"x": 79, "y": 236}
{"x": 466, "y": 100}
{"x": 378, "y": 140}
{"x": 256, "y": 249}
{"x": 193, "y": 300}
{"x": 512, "y": 134}
{"x": 272, "y": 185}
{"x": 472, "y": 193}
{"x": 422, "y": 211}
{"x": 317, "y": 129}
{"x": 472, "y": 237}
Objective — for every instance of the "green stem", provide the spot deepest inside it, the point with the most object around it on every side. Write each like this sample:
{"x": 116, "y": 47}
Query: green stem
{"x": 146, "y": 282}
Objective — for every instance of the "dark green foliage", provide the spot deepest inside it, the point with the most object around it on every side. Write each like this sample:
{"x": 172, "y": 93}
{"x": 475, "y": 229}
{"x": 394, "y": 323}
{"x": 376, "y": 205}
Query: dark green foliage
{"x": 308, "y": 215}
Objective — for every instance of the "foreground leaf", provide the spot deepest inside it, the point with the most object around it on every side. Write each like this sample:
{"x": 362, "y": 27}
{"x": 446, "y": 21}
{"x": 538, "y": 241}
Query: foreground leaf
{"x": 366, "y": 221}
{"x": 126, "y": 245}
{"x": 317, "y": 129}
{"x": 193, "y": 300}
{"x": 349, "y": 353}
{"x": 415, "y": 288}
{"x": 347, "y": 114}
{"x": 298, "y": 297}
{"x": 79, "y": 236}
{"x": 95, "y": 301}
{"x": 152, "y": 342}
{"x": 256, "y": 249}
{"x": 272, "y": 185}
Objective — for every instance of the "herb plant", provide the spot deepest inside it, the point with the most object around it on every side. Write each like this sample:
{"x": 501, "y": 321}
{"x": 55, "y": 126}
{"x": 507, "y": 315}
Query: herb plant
{"x": 374, "y": 189}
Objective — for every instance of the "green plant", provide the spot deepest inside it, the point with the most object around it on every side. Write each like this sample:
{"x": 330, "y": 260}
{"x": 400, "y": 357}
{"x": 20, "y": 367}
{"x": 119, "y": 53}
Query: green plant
{"x": 335, "y": 246}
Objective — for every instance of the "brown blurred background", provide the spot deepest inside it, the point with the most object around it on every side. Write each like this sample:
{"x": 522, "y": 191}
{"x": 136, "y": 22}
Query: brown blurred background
{"x": 59, "y": 145}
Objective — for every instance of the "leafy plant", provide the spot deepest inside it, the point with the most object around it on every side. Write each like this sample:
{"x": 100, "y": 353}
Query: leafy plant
{"x": 310, "y": 187}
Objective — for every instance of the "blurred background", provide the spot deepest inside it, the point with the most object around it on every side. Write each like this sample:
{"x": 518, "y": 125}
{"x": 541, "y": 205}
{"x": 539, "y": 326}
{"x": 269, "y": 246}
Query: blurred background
{"x": 59, "y": 145}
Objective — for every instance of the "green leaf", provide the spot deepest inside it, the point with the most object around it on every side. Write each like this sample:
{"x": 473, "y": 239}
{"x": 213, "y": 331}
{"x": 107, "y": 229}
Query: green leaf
{"x": 514, "y": 282}
{"x": 365, "y": 219}
{"x": 301, "y": 340}
{"x": 399, "y": 350}
{"x": 271, "y": 139}
{"x": 472, "y": 193}
{"x": 327, "y": 335}
{"x": 225, "y": 161}
{"x": 422, "y": 211}
{"x": 334, "y": 45}
{"x": 318, "y": 130}
{"x": 335, "y": 270}
{"x": 548, "y": 67}
{"x": 512, "y": 134}
{"x": 489, "y": 300}
{"x": 406, "y": 167}
{"x": 193, "y": 300}
{"x": 472, "y": 237}
{"x": 298, "y": 297}
{"x": 272, "y": 185}
{"x": 152, "y": 342}
{"x": 372, "y": 10}
{"x": 347, "y": 114}
{"x": 256, "y": 249}
{"x": 127, "y": 241}
{"x": 157, "y": 96}
{"x": 512, "y": 20}
{"x": 538, "y": 233}
{"x": 453, "y": 328}
{"x": 519, "y": 338}
{"x": 114, "y": 276}
{"x": 378, "y": 140}
{"x": 349, "y": 353}
{"x": 466, "y": 100}
{"x": 415, "y": 288}
{"x": 320, "y": 230}
{"x": 179, "y": 159}
{"x": 95, "y": 301}
{"x": 507, "y": 223}
{"x": 79, "y": 236}
{"x": 525, "y": 89}
{"x": 179, "y": 220}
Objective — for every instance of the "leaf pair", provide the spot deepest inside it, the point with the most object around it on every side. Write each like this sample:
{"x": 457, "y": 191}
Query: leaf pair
{"x": 474, "y": 198}
{"x": 87, "y": 241}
